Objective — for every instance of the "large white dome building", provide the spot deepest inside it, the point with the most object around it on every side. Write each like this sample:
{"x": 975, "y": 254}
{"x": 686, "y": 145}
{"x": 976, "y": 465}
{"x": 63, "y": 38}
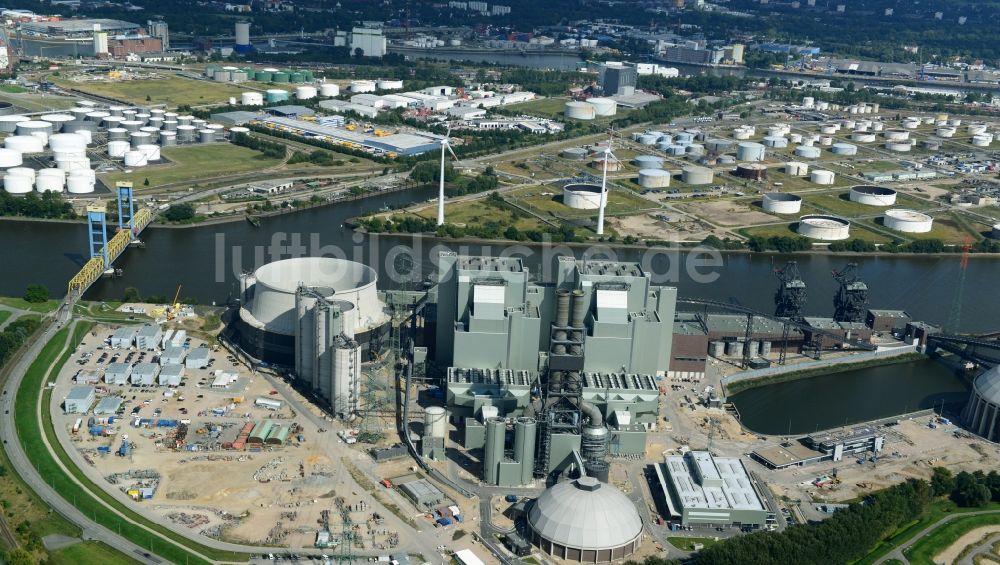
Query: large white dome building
{"x": 585, "y": 520}
{"x": 982, "y": 413}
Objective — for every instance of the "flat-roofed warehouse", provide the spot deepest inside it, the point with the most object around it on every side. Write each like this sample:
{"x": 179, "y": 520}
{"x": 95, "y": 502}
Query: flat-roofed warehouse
{"x": 399, "y": 143}
{"x": 701, "y": 489}
{"x": 78, "y": 28}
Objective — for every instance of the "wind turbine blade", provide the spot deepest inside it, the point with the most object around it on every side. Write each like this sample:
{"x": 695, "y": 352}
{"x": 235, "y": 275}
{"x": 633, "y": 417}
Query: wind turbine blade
{"x": 453, "y": 156}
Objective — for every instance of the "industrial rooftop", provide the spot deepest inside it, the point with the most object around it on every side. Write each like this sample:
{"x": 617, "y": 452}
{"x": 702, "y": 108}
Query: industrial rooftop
{"x": 712, "y": 482}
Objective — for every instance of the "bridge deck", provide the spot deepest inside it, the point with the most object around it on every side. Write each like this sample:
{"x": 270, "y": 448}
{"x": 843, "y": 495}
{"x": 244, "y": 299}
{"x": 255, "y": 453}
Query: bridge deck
{"x": 117, "y": 245}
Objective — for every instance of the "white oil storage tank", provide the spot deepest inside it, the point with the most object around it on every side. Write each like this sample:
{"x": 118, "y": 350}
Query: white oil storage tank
{"x": 57, "y": 120}
{"x": 50, "y": 180}
{"x": 695, "y": 175}
{"x": 118, "y": 148}
{"x": 151, "y": 151}
{"x": 776, "y": 141}
{"x": 898, "y": 146}
{"x": 824, "y": 227}
{"x": 363, "y": 86}
{"x": 305, "y": 92}
{"x": 435, "y": 422}
{"x": 820, "y": 176}
{"x": 80, "y": 182}
{"x": 389, "y": 84}
{"x": 10, "y": 158}
{"x": 252, "y": 99}
{"x": 807, "y": 152}
{"x": 844, "y": 149}
{"x": 17, "y": 184}
{"x": 603, "y": 106}
{"x": 329, "y": 90}
{"x": 908, "y": 221}
{"x": 581, "y": 111}
{"x": 135, "y": 159}
{"x": 648, "y": 162}
{"x": 67, "y": 142}
{"x": 873, "y": 195}
{"x": 654, "y": 178}
{"x": 750, "y": 151}
{"x": 796, "y": 168}
{"x": 25, "y": 144}
{"x": 583, "y": 196}
{"x": 81, "y": 163}
{"x": 8, "y": 124}
{"x": 782, "y": 203}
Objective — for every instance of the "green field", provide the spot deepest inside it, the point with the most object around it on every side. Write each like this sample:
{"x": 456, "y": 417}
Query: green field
{"x": 923, "y": 552}
{"x": 476, "y": 212}
{"x": 173, "y": 91}
{"x": 33, "y": 391}
{"x": 687, "y": 544}
{"x": 857, "y": 232}
{"x": 89, "y": 552}
{"x": 21, "y": 304}
{"x": 33, "y": 102}
{"x": 548, "y": 200}
{"x": 4, "y": 315}
{"x": 544, "y": 107}
{"x": 194, "y": 163}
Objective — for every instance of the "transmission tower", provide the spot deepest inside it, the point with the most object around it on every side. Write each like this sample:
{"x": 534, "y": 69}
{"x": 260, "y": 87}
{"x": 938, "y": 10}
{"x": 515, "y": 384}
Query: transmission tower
{"x": 790, "y": 298}
{"x": 345, "y": 550}
{"x": 373, "y": 405}
{"x": 955, "y": 316}
{"x": 851, "y": 302}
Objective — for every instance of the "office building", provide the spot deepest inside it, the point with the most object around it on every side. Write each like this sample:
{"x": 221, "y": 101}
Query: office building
{"x": 718, "y": 491}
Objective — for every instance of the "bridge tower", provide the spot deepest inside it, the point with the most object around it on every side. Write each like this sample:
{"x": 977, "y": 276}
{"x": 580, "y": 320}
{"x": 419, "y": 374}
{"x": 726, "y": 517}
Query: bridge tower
{"x": 97, "y": 231}
{"x": 851, "y": 302}
{"x": 790, "y": 297}
{"x": 126, "y": 208}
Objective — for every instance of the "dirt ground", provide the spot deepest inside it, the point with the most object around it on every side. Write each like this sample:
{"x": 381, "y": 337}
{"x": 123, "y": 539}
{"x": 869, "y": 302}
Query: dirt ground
{"x": 950, "y": 554}
{"x": 726, "y": 213}
{"x": 646, "y": 226}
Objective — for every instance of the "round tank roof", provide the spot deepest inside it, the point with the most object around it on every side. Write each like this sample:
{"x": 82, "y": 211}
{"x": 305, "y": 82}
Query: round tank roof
{"x": 987, "y": 385}
{"x": 585, "y": 514}
{"x": 337, "y": 274}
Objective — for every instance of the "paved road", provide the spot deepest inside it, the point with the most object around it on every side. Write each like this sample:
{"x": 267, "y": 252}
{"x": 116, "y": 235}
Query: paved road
{"x": 898, "y": 553}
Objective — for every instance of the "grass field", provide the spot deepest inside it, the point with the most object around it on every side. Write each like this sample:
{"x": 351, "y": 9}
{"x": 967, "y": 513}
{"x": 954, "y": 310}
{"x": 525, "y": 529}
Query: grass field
{"x": 857, "y": 232}
{"x": 21, "y": 304}
{"x": 173, "y": 91}
{"x": 194, "y": 163}
{"x": 544, "y": 107}
{"x": 548, "y": 200}
{"x": 475, "y": 212}
{"x": 4, "y": 315}
{"x": 923, "y": 552}
{"x": 89, "y": 552}
{"x": 33, "y": 102}
{"x": 48, "y": 364}
{"x": 687, "y": 544}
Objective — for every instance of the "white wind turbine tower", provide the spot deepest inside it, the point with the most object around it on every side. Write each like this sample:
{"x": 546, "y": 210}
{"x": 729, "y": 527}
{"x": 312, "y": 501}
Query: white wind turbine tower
{"x": 445, "y": 144}
{"x": 608, "y": 155}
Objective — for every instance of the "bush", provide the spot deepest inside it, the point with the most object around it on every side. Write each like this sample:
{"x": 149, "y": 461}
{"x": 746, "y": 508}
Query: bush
{"x": 179, "y": 212}
{"x": 36, "y": 294}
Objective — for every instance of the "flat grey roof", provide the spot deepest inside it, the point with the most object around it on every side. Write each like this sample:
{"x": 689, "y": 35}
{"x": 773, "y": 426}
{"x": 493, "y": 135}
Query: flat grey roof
{"x": 80, "y": 393}
{"x": 486, "y": 263}
{"x": 703, "y": 481}
{"x": 889, "y": 313}
{"x": 172, "y": 370}
{"x": 610, "y": 268}
{"x": 108, "y": 404}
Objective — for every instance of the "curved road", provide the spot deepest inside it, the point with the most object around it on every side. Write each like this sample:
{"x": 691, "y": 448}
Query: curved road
{"x": 898, "y": 552}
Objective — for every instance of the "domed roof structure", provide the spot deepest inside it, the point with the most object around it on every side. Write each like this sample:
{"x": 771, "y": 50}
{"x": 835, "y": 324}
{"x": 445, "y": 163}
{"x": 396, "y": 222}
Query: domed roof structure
{"x": 584, "y": 519}
{"x": 988, "y": 385}
{"x": 982, "y": 413}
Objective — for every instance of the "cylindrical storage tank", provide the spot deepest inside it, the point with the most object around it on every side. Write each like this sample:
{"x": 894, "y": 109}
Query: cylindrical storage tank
{"x": 206, "y": 135}
{"x": 74, "y": 164}
{"x": 280, "y": 77}
{"x": 954, "y": 122}
{"x": 765, "y": 348}
{"x": 675, "y": 150}
{"x": 878, "y": 126}
{"x": 750, "y": 151}
{"x": 117, "y": 134}
{"x": 583, "y": 196}
{"x": 820, "y": 176}
{"x": 663, "y": 145}
{"x": 168, "y": 138}
{"x": 844, "y": 149}
{"x": 774, "y": 141}
{"x": 795, "y": 137}
{"x": 908, "y": 221}
{"x": 695, "y": 150}
{"x": 718, "y": 145}
{"x": 574, "y": 153}
{"x": 751, "y": 171}
{"x": 118, "y": 148}
{"x": 848, "y": 124}
{"x": 782, "y": 203}
{"x": 252, "y": 99}
{"x": 116, "y": 110}
{"x": 17, "y": 184}
{"x": 329, "y": 90}
{"x": 807, "y": 152}
{"x": 25, "y": 144}
{"x": 237, "y": 130}
{"x": 435, "y": 422}
{"x": 9, "y": 123}
{"x": 896, "y": 135}
{"x": 185, "y": 120}
{"x": 648, "y": 139}
{"x": 982, "y": 140}
{"x": 873, "y": 195}
{"x": 57, "y": 120}
{"x": 726, "y": 160}
{"x": 654, "y": 178}
{"x": 68, "y": 154}
{"x": 863, "y": 137}
{"x": 717, "y": 349}
{"x": 81, "y": 181}
{"x": 305, "y": 92}
{"x": 742, "y": 133}
{"x": 603, "y": 106}
{"x": 683, "y": 138}
{"x": 86, "y": 104}
{"x": 976, "y": 128}
{"x": 296, "y": 77}
{"x": 796, "y": 168}
{"x": 22, "y": 172}
{"x": 927, "y": 120}
{"x": 362, "y": 86}
{"x": 77, "y": 126}
{"x": 79, "y": 113}
{"x": 170, "y": 116}
{"x": 10, "y": 158}
{"x": 910, "y": 123}
{"x": 170, "y": 125}
{"x": 140, "y": 138}
{"x": 113, "y": 122}
{"x": 186, "y": 134}
{"x": 154, "y": 134}
{"x": 34, "y": 127}
{"x": 525, "y": 432}
{"x": 263, "y": 76}
{"x": 778, "y": 130}
{"x": 152, "y": 152}
{"x": 199, "y": 124}
{"x": 277, "y": 95}
{"x": 648, "y": 162}
{"x": 931, "y": 144}
{"x": 697, "y": 175}
{"x": 155, "y": 122}
{"x": 67, "y": 142}
{"x": 157, "y": 113}
{"x": 733, "y": 348}
{"x": 826, "y": 141}
{"x": 823, "y": 227}
{"x": 130, "y": 114}
{"x": 97, "y": 116}
{"x": 50, "y": 180}
{"x": 808, "y": 101}
{"x": 829, "y": 129}
{"x": 135, "y": 159}
{"x": 898, "y": 146}
{"x": 582, "y": 111}
{"x": 612, "y": 164}
{"x": 142, "y": 117}
{"x": 496, "y": 433}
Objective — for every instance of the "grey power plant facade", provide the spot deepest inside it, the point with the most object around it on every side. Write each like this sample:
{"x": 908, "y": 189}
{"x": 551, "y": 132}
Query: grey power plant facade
{"x": 327, "y": 357}
{"x": 568, "y": 366}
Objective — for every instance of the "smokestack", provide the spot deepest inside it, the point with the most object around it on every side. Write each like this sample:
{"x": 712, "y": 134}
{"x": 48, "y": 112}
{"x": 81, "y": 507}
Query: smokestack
{"x": 579, "y": 308}
{"x": 562, "y": 308}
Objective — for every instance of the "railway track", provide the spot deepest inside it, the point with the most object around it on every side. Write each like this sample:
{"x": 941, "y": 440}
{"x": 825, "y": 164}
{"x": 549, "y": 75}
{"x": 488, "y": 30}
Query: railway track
{"x": 9, "y": 539}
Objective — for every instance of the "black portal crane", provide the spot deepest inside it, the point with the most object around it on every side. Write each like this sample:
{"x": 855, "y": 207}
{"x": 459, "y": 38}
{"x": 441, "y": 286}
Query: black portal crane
{"x": 851, "y": 302}
{"x": 790, "y": 298}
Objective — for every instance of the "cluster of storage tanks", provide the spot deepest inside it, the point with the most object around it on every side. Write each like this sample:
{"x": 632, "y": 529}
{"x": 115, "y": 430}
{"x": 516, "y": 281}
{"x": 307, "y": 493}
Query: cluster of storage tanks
{"x": 134, "y": 135}
{"x": 321, "y": 89}
{"x": 754, "y": 348}
{"x": 590, "y": 108}
{"x": 238, "y": 74}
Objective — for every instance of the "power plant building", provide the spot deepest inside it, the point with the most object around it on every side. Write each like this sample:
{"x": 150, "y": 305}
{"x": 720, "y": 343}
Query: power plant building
{"x": 701, "y": 489}
{"x": 982, "y": 413}
{"x": 618, "y": 79}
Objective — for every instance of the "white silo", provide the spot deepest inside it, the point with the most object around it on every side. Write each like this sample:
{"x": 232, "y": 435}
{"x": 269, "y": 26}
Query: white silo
{"x": 581, "y": 111}
{"x": 305, "y": 92}
{"x": 135, "y": 159}
{"x": 50, "y": 180}
{"x": 25, "y": 144}
{"x": 252, "y": 99}
{"x": 10, "y": 158}
{"x": 329, "y": 90}
{"x": 242, "y": 36}
{"x": 118, "y": 148}
{"x": 435, "y": 422}
{"x": 750, "y": 151}
{"x": 820, "y": 176}
{"x": 80, "y": 182}
{"x": 603, "y": 106}
{"x": 152, "y": 152}
{"x": 17, "y": 184}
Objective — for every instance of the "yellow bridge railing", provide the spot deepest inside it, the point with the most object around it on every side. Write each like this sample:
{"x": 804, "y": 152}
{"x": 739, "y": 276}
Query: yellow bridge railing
{"x": 94, "y": 268}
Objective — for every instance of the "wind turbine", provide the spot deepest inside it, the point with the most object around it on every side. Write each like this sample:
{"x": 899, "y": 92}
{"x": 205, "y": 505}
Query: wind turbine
{"x": 445, "y": 144}
{"x": 608, "y": 155}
